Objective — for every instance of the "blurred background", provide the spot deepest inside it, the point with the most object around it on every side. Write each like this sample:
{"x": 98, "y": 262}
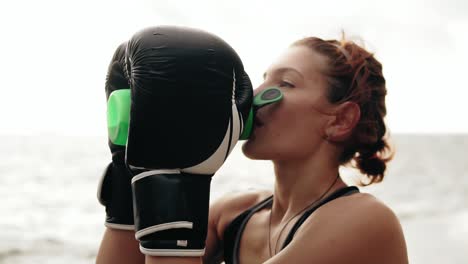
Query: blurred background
{"x": 53, "y": 67}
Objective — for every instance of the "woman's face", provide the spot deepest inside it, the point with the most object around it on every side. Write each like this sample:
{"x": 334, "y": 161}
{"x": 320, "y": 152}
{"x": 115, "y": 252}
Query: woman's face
{"x": 294, "y": 127}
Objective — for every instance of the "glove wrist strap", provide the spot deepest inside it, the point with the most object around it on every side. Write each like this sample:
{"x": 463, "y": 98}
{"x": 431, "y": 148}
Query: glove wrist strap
{"x": 171, "y": 212}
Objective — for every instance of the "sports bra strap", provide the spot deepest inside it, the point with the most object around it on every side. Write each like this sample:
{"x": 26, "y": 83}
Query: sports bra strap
{"x": 341, "y": 192}
{"x": 267, "y": 202}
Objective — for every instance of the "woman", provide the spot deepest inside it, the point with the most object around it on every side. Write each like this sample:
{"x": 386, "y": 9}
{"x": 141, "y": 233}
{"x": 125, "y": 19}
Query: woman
{"x": 331, "y": 115}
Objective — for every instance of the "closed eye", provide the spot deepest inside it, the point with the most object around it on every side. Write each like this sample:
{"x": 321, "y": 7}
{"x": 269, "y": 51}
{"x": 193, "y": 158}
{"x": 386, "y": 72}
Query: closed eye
{"x": 286, "y": 84}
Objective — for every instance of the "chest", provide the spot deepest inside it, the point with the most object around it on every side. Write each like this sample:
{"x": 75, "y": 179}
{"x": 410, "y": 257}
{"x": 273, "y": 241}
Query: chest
{"x": 254, "y": 246}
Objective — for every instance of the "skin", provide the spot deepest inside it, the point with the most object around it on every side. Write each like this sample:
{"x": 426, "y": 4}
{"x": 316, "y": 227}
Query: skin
{"x": 119, "y": 247}
{"x": 303, "y": 136}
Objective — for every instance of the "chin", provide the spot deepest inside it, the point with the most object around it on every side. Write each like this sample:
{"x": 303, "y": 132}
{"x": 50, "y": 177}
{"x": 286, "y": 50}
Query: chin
{"x": 254, "y": 152}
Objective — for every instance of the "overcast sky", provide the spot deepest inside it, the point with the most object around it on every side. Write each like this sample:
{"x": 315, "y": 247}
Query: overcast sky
{"x": 55, "y": 53}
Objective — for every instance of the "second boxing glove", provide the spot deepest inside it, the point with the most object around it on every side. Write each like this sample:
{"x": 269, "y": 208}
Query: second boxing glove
{"x": 114, "y": 190}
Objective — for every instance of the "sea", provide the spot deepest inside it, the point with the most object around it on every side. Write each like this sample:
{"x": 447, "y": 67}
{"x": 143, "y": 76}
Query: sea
{"x": 49, "y": 212}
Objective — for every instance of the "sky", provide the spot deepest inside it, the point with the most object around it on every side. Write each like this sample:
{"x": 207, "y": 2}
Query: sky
{"x": 56, "y": 53}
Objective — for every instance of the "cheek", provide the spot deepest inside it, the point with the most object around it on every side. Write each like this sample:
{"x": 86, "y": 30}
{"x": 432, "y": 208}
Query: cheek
{"x": 297, "y": 135}
{"x": 297, "y": 122}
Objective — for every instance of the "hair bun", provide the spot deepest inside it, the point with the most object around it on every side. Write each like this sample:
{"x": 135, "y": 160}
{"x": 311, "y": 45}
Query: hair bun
{"x": 372, "y": 162}
{"x": 372, "y": 166}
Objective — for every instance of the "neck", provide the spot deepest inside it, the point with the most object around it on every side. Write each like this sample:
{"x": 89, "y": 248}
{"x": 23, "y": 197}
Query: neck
{"x": 301, "y": 182}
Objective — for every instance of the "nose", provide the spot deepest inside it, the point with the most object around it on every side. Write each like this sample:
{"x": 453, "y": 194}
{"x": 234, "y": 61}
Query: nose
{"x": 256, "y": 91}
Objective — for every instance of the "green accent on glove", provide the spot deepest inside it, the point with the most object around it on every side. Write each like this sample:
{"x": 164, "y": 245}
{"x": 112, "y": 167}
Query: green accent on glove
{"x": 118, "y": 113}
{"x": 248, "y": 127}
{"x": 266, "y": 97}
{"x": 118, "y": 116}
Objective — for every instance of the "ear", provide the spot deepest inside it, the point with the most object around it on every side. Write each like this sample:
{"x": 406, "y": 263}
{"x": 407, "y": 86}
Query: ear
{"x": 346, "y": 118}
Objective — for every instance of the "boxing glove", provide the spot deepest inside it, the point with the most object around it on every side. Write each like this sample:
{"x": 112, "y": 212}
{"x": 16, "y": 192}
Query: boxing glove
{"x": 114, "y": 190}
{"x": 190, "y": 101}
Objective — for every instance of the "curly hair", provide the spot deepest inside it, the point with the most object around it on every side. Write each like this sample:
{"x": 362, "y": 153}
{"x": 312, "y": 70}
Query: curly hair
{"x": 354, "y": 74}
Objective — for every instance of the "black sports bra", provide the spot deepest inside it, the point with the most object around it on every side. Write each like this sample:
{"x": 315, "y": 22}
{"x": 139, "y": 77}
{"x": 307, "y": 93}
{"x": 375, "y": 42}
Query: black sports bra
{"x": 233, "y": 233}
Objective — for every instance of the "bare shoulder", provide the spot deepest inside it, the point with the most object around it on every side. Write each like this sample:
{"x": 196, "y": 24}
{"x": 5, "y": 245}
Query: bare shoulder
{"x": 359, "y": 228}
{"x": 229, "y": 206}
{"x": 365, "y": 219}
{"x": 356, "y": 204}
{"x": 361, "y": 210}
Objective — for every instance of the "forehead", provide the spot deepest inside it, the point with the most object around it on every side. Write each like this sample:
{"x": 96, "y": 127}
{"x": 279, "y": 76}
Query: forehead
{"x": 302, "y": 59}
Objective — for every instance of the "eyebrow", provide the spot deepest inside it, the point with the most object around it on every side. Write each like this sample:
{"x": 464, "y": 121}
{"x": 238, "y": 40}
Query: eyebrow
{"x": 283, "y": 70}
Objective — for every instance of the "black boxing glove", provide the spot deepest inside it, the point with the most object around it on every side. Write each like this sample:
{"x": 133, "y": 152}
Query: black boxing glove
{"x": 114, "y": 190}
{"x": 190, "y": 101}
